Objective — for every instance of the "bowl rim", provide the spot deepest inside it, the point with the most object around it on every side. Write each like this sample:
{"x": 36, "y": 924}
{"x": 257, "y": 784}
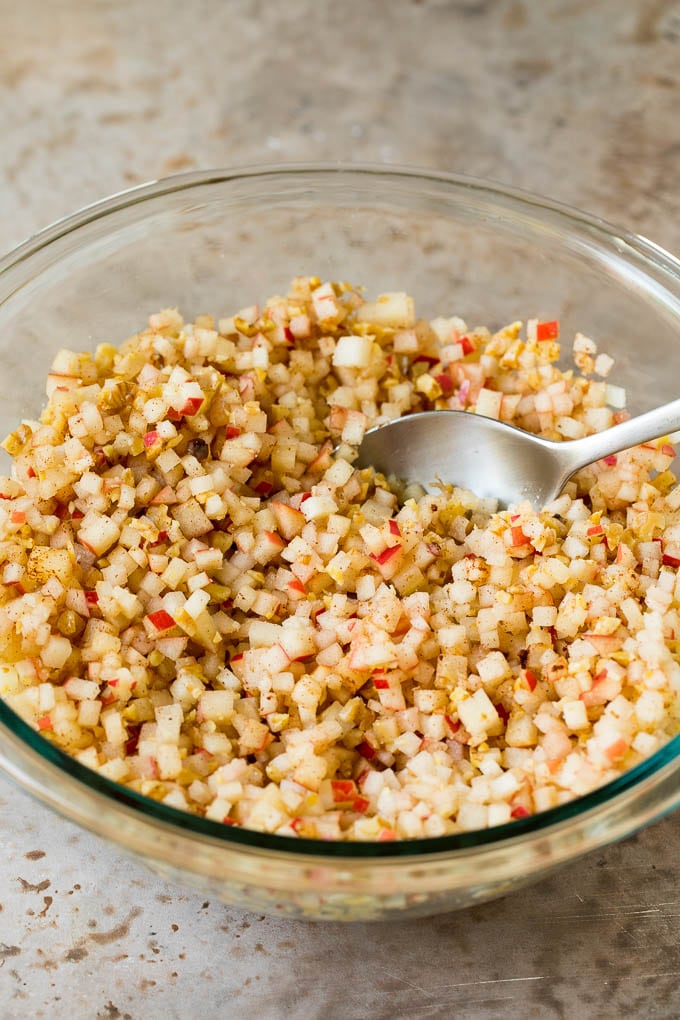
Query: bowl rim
{"x": 174, "y": 819}
{"x": 184, "y": 181}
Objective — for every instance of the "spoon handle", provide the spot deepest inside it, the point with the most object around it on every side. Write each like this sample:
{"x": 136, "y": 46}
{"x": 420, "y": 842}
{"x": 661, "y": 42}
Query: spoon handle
{"x": 651, "y": 425}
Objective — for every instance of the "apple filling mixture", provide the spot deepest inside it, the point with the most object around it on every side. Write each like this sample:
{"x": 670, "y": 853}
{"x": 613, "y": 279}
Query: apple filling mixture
{"x": 204, "y": 601}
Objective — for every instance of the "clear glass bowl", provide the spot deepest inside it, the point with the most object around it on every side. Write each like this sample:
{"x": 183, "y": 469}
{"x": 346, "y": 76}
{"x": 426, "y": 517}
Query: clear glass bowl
{"x": 215, "y": 241}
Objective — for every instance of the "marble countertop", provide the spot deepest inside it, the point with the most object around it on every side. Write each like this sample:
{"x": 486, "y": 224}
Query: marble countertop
{"x": 577, "y": 100}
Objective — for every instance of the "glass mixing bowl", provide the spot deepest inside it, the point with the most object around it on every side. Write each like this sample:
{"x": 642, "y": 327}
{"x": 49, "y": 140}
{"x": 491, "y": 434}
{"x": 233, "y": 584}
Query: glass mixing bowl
{"x": 215, "y": 241}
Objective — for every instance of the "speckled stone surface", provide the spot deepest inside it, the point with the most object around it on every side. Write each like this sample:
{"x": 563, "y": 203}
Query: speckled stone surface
{"x": 577, "y": 99}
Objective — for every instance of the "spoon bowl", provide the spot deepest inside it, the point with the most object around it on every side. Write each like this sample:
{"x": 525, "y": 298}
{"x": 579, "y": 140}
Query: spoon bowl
{"x": 496, "y": 460}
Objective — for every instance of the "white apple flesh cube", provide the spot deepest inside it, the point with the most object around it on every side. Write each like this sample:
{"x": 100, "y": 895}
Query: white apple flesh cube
{"x": 216, "y": 706}
{"x": 394, "y": 309}
{"x": 318, "y": 506}
{"x": 55, "y": 652}
{"x": 489, "y": 403}
{"x": 353, "y": 352}
{"x": 80, "y": 690}
{"x": 478, "y": 715}
{"x": 98, "y": 533}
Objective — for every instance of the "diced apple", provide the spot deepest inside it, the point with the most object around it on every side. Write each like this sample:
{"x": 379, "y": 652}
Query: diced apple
{"x": 161, "y": 620}
{"x": 394, "y": 309}
{"x": 300, "y": 326}
{"x": 98, "y": 533}
{"x": 56, "y": 651}
{"x": 191, "y": 519}
{"x": 165, "y": 497}
{"x": 478, "y": 715}
{"x": 344, "y": 791}
{"x": 389, "y": 561}
{"x": 45, "y": 562}
{"x": 216, "y": 706}
{"x": 191, "y": 406}
{"x": 296, "y": 589}
{"x": 81, "y": 690}
{"x": 489, "y": 403}
{"x": 275, "y": 660}
{"x": 323, "y": 459}
{"x": 325, "y": 303}
{"x": 267, "y": 547}
{"x": 354, "y": 428}
{"x": 289, "y": 521}
{"x": 318, "y": 506}
{"x": 353, "y": 352}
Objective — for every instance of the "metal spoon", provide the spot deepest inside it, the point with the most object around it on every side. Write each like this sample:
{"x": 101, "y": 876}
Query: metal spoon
{"x": 496, "y": 460}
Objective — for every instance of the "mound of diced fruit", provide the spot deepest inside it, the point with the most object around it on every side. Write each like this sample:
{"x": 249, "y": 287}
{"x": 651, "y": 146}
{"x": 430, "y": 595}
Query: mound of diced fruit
{"x": 203, "y": 600}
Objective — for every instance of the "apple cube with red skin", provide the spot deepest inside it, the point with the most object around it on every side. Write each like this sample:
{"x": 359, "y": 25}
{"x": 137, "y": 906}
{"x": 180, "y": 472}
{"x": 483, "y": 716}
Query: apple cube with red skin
{"x": 289, "y": 521}
{"x": 445, "y": 383}
{"x": 387, "y": 836}
{"x": 171, "y": 647}
{"x": 246, "y": 388}
{"x": 275, "y": 660}
{"x": 604, "y": 689}
{"x": 304, "y": 571}
{"x": 518, "y": 537}
{"x": 191, "y": 406}
{"x": 617, "y": 749}
{"x": 325, "y": 303}
{"x": 389, "y": 561}
{"x": 161, "y": 620}
{"x": 165, "y": 497}
{"x": 426, "y": 359}
{"x": 547, "y": 330}
{"x": 267, "y": 546}
{"x": 344, "y": 791}
{"x": 337, "y": 418}
{"x": 322, "y": 461}
{"x": 353, "y": 352}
